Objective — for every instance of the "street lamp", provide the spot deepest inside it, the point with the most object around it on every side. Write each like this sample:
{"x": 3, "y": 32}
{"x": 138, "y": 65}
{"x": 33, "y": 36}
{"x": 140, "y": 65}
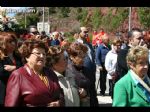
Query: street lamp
{"x": 25, "y": 19}
{"x": 130, "y": 9}
{"x": 43, "y": 19}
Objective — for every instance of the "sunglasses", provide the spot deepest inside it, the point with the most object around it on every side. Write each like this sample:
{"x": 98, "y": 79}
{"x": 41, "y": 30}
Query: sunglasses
{"x": 35, "y": 33}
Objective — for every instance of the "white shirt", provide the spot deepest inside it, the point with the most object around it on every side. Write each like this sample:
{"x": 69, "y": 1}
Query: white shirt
{"x": 110, "y": 63}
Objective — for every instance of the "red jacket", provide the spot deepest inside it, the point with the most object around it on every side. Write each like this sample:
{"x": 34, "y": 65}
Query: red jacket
{"x": 25, "y": 89}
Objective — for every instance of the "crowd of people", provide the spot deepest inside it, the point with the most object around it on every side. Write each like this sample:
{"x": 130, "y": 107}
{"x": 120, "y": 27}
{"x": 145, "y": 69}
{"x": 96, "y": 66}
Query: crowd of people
{"x": 39, "y": 70}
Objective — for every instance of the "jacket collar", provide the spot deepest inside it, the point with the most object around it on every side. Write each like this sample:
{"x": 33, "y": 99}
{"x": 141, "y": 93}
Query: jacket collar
{"x": 137, "y": 88}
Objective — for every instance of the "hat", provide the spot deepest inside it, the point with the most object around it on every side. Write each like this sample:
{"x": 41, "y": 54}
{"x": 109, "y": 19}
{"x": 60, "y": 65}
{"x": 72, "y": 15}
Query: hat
{"x": 84, "y": 29}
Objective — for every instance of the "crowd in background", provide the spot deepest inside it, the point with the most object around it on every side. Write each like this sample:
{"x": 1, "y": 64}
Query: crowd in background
{"x": 37, "y": 69}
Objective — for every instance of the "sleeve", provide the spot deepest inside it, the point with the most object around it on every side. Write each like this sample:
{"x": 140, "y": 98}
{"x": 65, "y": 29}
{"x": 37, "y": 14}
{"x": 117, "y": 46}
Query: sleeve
{"x": 12, "y": 91}
{"x": 108, "y": 64}
{"x": 1, "y": 69}
{"x": 98, "y": 56}
{"x": 120, "y": 95}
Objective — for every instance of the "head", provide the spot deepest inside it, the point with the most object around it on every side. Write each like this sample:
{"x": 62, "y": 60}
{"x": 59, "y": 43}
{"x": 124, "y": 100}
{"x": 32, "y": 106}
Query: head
{"x": 84, "y": 32}
{"x": 77, "y": 53}
{"x": 105, "y": 39}
{"x": 8, "y": 41}
{"x": 101, "y": 30}
{"x": 55, "y": 35}
{"x": 147, "y": 39}
{"x": 137, "y": 60}
{"x": 135, "y": 37}
{"x": 34, "y": 52}
{"x": 56, "y": 59}
{"x": 33, "y": 30}
{"x": 116, "y": 43}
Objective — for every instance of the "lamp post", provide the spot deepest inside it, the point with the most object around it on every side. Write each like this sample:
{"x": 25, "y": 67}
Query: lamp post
{"x": 130, "y": 9}
{"x": 43, "y": 19}
{"x": 25, "y": 20}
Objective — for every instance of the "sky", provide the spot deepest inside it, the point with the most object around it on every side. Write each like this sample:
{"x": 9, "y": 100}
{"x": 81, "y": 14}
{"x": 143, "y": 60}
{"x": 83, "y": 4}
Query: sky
{"x": 11, "y": 11}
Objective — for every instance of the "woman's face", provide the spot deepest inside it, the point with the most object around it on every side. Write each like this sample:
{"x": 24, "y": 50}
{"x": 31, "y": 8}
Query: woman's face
{"x": 78, "y": 60}
{"x": 10, "y": 44}
{"x": 141, "y": 67}
{"x": 37, "y": 57}
{"x": 61, "y": 65}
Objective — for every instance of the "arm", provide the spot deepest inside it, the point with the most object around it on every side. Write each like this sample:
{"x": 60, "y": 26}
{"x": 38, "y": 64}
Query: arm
{"x": 98, "y": 56}
{"x": 12, "y": 91}
{"x": 109, "y": 64}
{"x": 120, "y": 95}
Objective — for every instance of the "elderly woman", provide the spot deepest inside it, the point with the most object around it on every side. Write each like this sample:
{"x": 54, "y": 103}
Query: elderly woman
{"x": 133, "y": 90}
{"x": 57, "y": 61}
{"x": 10, "y": 60}
{"x": 33, "y": 84}
{"x": 76, "y": 53}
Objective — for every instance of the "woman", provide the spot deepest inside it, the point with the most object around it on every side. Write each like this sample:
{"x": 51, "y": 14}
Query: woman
{"x": 10, "y": 60}
{"x": 57, "y": 61}
{"x": 33, "y": 84}
{"x": 133, "y": 90}
{"x": 76, "y": 53}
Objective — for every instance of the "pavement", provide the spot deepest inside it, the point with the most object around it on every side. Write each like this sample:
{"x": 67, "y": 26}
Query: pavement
{"x": 104, "y": 101}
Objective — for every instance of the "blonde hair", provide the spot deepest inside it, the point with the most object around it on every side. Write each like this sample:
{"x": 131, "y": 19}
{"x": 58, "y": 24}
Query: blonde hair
{"x": 136, "y": 53}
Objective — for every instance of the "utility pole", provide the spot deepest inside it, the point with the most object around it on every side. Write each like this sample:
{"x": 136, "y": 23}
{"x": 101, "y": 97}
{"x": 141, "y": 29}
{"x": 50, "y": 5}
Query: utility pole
{"x": 43, "y": 19}
{"x": 25, "y": 20}
{"x": 130, "y": 13}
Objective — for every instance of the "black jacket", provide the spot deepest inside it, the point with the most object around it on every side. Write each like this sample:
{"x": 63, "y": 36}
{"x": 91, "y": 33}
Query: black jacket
{"x": 4, "y": 75}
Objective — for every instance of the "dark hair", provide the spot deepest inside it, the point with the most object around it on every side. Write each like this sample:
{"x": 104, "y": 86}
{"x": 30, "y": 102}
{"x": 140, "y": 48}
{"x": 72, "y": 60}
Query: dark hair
{"x": 53, "y": 55}
{"x": 130, "y": 33}
{"x": 76, "y": 49}
{"x": 28, "y": 45}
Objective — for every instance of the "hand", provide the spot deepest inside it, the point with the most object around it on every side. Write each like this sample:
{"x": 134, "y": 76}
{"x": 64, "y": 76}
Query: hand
{"x": 82, "y": 92}
{"x": 100, "y": 68}
{"x": 54, "y": 104}
{"x": 9, "y": 67}
{"x": 114, "y": 76}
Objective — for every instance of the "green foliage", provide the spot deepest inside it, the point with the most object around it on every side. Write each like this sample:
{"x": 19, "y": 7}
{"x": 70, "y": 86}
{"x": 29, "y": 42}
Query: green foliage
{"x": 52, "y": 10}
{"x": 31, "y": 19}
{"x": 96, "y": 18}
{"x": 144, "y": 16}
{"x": 119, "y": 18}
{"x": 112, "y": 22}
{"x": 64, "y": 11}
{"x": 82, "y": 16}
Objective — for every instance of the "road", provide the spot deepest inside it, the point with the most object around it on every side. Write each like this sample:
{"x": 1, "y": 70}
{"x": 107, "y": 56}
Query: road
{"x": 104, "y": 101}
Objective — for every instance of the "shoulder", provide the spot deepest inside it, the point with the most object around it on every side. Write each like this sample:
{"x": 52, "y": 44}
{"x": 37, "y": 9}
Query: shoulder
{"x": 18, "y": 71}
{"x": 125, "y": 80}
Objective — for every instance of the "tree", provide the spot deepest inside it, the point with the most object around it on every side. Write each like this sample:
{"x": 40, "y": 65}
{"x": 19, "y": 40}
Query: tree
{"x": 144, "y": 16}
{"x": 64, "y": 11}
{"x": 96, "y": 18}
{"x": 31, "y": 19}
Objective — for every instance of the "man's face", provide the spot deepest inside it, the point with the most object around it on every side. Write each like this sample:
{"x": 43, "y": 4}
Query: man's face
{"x": 34, "y": 31}
{"x": 84, "y": 33}
{"x": 137, "y": 38}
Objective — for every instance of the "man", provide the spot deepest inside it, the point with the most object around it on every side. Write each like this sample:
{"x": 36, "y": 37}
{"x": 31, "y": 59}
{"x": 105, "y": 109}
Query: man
{"x": 89, "y": 63}
{"x": 135, "y": 38}
{"x": 101, "y": 52}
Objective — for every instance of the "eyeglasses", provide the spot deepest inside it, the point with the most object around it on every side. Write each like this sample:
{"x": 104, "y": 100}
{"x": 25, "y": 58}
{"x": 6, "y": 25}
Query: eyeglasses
{"x": 38, "y": 54}
{"x": 35, "y": 33}
{"x": 85, "y": 31}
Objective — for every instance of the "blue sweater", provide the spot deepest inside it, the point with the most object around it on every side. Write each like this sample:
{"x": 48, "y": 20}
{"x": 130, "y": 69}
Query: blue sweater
{"x": 101, "y": 52}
